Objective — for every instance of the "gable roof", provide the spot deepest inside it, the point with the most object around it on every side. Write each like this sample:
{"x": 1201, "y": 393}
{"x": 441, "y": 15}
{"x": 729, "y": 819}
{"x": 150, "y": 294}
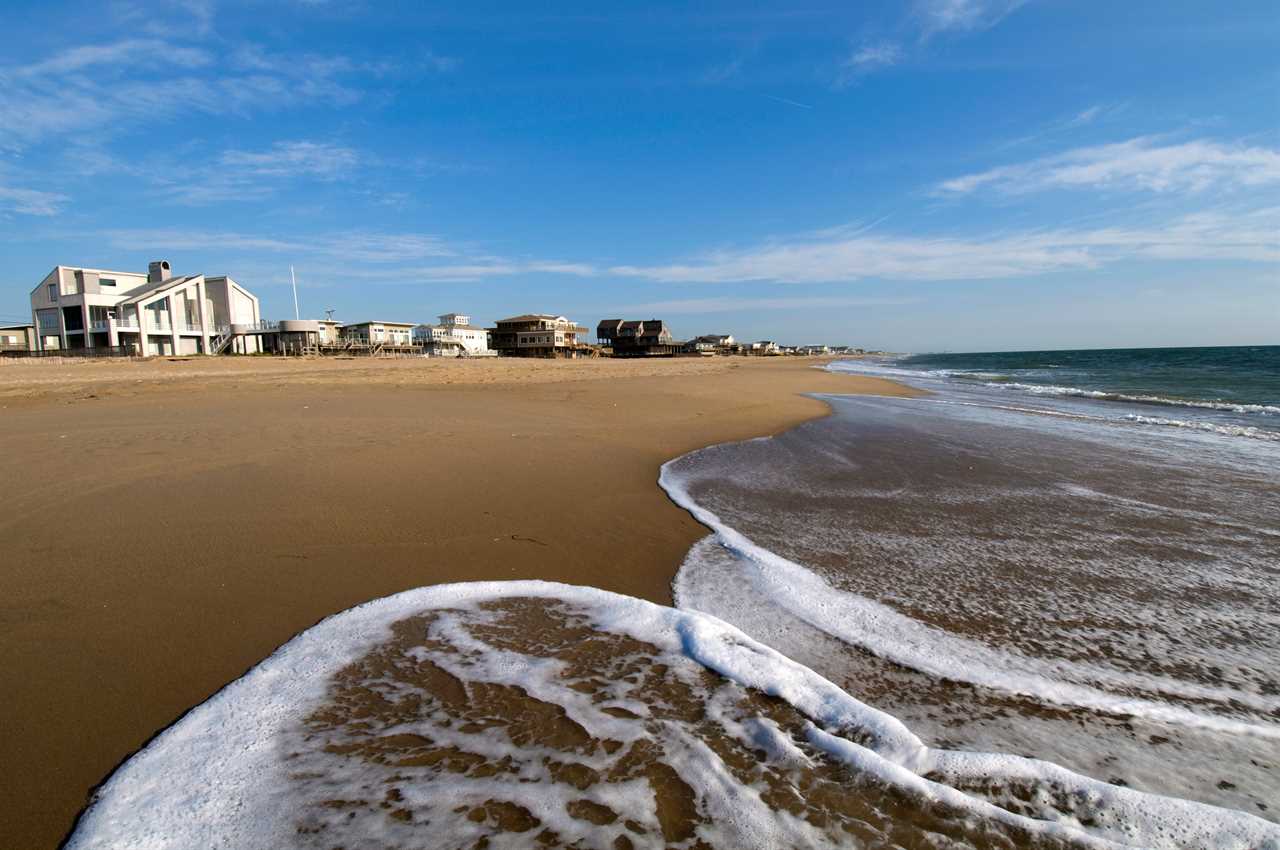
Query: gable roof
{"x": 156, "y": 287}
{"x": 377, "y": 322}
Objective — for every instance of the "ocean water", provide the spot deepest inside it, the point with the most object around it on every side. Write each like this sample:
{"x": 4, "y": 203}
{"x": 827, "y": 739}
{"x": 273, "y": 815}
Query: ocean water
{"x": 1046, "y": 556}
{"x": 992, "y": 616}
{"x": 1229, "y": 390}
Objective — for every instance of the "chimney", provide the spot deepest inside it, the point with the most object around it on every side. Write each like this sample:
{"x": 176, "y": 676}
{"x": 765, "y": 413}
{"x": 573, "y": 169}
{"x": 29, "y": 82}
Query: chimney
{"x": 158, "y": 270}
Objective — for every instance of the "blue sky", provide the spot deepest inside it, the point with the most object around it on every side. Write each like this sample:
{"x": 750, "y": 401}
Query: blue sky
{"x": 941, "y": 174}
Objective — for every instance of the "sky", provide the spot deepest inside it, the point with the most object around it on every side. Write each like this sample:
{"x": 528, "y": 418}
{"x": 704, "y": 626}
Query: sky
{"x": 927, "y": 175}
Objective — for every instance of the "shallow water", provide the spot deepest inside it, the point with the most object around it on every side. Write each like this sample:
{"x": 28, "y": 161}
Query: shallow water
{"x": 1015, "y": 579}
{"x": 520, "y": 714}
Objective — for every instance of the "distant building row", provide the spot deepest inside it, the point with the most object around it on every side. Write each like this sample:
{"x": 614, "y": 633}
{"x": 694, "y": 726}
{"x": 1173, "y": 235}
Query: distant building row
{"x": 85, "y": 310}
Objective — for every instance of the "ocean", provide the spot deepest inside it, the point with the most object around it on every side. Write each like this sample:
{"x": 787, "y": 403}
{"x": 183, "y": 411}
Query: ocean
{"x": 1038, "y": 606}
{"x": 1229, "y": 390}
{"x": 1073, "y": 556}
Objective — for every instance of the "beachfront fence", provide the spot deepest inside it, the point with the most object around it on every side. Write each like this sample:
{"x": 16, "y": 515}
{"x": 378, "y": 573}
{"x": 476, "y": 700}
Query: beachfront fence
{"x": 96, "y": 351}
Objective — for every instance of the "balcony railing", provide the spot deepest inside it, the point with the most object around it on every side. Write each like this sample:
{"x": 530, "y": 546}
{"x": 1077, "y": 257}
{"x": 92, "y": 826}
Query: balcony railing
{"x": 98, "y": 325}
{"x": 258, "y": 327}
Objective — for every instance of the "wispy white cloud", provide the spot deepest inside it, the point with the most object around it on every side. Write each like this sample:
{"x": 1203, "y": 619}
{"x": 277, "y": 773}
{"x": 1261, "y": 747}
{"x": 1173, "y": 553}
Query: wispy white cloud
{"x": 875, "y": 56}
{"x": 940, "y": 16}
{"x": 867, "y": 59}
{"x": 1143, "y": 163}
{"x": 114, "y": 89}
{"x": 202, "y": 13}
{"x": 699, "y": 306}
{"x": 294, "y": 159}
{"x": 1085, "y": 116}
{"x": 722, "y": 72}
{"x": 372, "y": 247}
{"x": 844, "y": 254}
{"x": 67, "y": 62}
{"x": 928, "y": 18}
{"x": 234, "y": 175}
{"x": 851, "y": 254}
{"x": 362, "y": 255}
{"x": 175, "y": 239}
{"x": 469, "y": 270}
{"x": 1065, "y": 124}
{"x": 350, "y": 246}
{"x": 31, "y": 201}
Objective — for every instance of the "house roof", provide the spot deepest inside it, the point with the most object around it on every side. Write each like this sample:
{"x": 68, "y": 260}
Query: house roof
{"x": 377, "y": 322}
{"x": 530, "y": 317}
{"x": 155, "y": 287}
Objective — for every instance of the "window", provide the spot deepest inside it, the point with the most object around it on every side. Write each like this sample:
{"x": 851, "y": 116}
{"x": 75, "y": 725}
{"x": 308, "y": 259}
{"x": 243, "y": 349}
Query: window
{"x": 53, "y": 292}
{"x": 106, "y": 281}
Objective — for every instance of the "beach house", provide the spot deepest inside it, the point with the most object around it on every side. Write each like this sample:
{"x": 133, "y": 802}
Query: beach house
{"x": 382, "y": 335}
{"x": 328, "y": 331}
{"x": 540, "y": 335}
{"x": 709, "y": 344}
{"x": 761, "y": 348}
{"x": 153, "y": 313}
{"x": 17, "y": 339}
{"x": 637, "y": 338}
{"x": 454, "y": 336}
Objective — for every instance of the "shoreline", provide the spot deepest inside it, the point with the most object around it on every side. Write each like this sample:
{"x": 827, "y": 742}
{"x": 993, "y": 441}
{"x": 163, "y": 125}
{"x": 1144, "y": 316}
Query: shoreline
{"x": 180, "y": 520}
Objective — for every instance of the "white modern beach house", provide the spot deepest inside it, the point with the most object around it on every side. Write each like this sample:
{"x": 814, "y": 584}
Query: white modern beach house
{"x": 454, "y": 336}
{"x": 148, "y": 314}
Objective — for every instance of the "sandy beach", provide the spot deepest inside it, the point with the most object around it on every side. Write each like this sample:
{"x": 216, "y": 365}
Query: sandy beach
{"x": 169, "y": 523}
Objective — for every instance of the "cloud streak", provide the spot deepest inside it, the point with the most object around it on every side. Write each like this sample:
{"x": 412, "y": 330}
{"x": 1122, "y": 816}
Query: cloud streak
{"x": 31, "y": 201}
{"x": 867, "y": 59}
{"x": 362, "y": 255}
{"x": 114, "y": 88}
{"x": 293, "y": 159}
{"x": 701, "y": 306}
{"x": 940, "y": 16}
{"x": 852, "y": 254}
{"x": 1142, "y": 164}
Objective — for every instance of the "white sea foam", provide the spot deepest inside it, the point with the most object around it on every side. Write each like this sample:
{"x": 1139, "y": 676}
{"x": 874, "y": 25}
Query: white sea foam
{"x": 1057, "y": 390}
{"x": 1210, "y": 427}
{"x": 219, "y": 777}
{"x": 883, "y": 631}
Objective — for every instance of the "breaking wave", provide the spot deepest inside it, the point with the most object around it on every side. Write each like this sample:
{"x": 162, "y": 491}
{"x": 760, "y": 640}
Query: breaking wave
{"x": 881, "y": 630}
{"x": 1077, "y": 392}
{"x": 1208, "y": 427}
{"x": 510, "y": 714}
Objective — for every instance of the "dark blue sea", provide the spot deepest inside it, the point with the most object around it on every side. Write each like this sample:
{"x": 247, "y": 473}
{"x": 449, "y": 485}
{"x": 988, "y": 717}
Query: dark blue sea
{"x": 1231, "y": 391}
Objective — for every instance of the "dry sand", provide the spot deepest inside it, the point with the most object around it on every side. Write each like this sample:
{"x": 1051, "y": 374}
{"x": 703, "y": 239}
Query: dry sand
{"x": 167, "y": 524}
